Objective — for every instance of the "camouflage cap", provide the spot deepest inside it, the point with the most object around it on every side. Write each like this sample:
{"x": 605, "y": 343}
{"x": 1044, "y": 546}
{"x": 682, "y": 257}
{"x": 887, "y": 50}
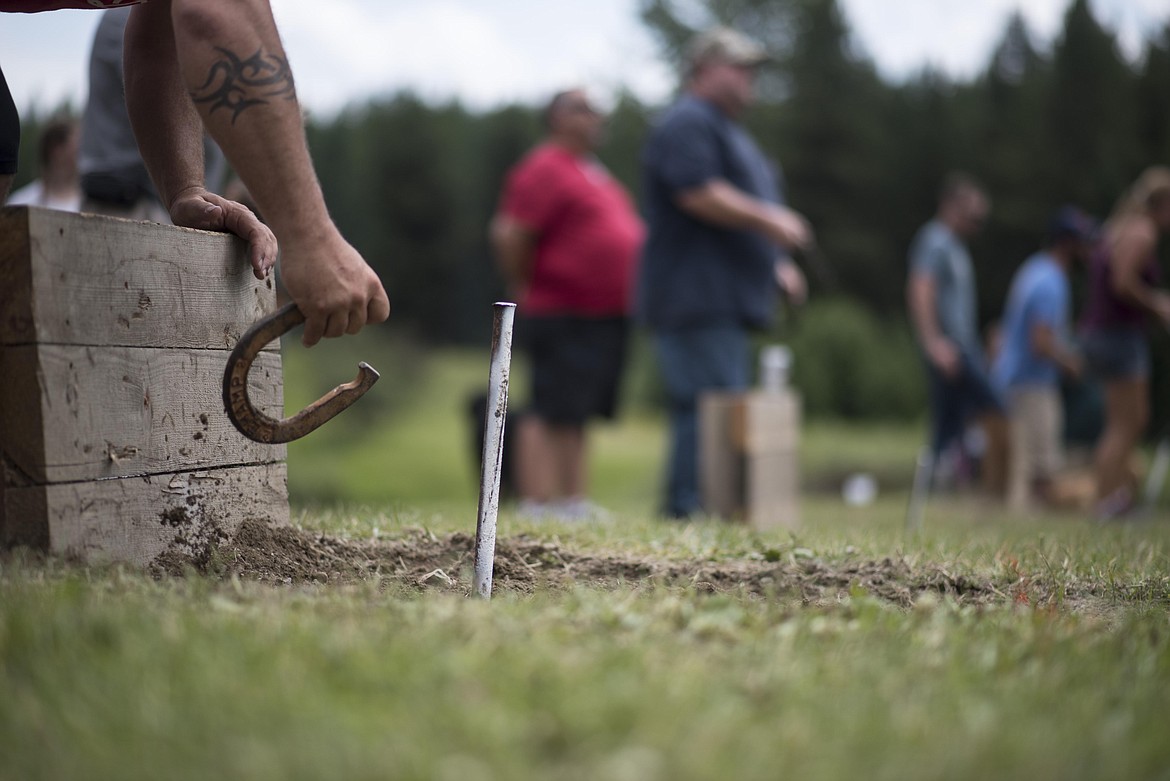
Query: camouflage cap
{"x": 723, "y": 44}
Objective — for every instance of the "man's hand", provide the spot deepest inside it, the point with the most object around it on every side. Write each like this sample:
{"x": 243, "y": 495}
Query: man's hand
{"x": 787, "y": 228}
{"x": 515, "y": 250}
{"x": 945, "y": 356}
{"x": 334, "y": 288}
{"x": 1161, "y": 306}
{"x": 791, "y": 280}
{"x": 1074, "y": 366}
{"x": 198, "y": 208}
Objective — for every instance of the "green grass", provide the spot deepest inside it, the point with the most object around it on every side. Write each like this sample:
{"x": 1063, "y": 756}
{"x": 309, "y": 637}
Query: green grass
{"x": 407, "y": 444}
{"x": 106, "y": 673}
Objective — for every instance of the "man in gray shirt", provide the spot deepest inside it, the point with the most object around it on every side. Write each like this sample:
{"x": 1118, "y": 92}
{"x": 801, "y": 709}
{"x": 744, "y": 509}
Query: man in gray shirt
{"x": 940, "y": 293}
{"x": 196, "y": 67}
{"x": 114, "y": 179}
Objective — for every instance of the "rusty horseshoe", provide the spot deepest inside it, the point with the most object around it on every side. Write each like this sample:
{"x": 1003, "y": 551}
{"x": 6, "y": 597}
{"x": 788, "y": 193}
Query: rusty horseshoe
{"x": 257, "y": 426}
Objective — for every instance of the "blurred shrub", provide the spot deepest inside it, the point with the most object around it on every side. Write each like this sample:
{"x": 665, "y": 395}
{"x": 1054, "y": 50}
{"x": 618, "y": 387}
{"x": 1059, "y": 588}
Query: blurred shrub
{"x": 850, "y": 365}
{"x": 642, "y": 389}
{"x": 847, "y": 365}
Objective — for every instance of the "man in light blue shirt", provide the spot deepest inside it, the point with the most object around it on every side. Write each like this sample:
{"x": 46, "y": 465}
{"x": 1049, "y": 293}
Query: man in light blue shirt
{"x": 1034, "y": 352}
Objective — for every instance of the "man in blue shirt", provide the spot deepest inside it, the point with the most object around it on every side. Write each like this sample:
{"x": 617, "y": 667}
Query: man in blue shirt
{"x": 716, "y": 250}
{"x": 1035, "y": 351}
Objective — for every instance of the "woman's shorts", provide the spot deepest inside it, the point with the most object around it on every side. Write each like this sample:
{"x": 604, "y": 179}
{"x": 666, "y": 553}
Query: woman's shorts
{"x": 1116, "y": 353}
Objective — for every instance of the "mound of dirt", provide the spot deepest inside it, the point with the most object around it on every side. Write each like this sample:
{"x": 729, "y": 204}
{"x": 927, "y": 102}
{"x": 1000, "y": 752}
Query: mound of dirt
{"x": 292, "y": 556}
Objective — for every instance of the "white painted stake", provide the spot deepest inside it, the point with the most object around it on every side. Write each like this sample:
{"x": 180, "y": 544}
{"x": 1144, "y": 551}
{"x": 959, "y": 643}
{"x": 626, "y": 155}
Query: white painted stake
{"x": 920, "y": 490}
{"x": 493, "y": 447}
{"x": 1156, "y": 476}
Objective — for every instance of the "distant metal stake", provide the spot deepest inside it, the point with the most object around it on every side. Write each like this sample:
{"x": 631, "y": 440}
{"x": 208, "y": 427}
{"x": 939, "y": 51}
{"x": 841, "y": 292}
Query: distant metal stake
{"x": 1156, "y": 477}
{"x": 493, "y": 447}
{"x": 920, "y": 490}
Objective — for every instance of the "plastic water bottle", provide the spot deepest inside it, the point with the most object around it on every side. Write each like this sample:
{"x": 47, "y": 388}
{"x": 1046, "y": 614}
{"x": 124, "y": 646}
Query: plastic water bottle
{"x": 775, "y": 361}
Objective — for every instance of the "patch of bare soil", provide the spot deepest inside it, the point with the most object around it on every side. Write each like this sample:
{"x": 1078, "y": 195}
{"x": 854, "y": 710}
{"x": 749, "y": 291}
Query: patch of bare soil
{"x": 287, "y": 555}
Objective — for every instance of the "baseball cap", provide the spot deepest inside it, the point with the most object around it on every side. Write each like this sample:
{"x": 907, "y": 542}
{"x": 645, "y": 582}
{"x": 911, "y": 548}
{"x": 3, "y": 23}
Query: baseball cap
{"x": 1071, "y": 222}
{"x": 723, "y": 44}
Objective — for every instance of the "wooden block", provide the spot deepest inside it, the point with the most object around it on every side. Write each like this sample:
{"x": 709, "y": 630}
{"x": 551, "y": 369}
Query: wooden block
{"x": 99, "y": 281}
{"x": 134, "y": 519}
{"x": 113, "y": 340}
{"x": 765, "y": 422}
{"x": 772, "y": 490}
{"x": 748, "y": 457}
{"x": 721, "y": 468}
{"x": 86, "y": 413}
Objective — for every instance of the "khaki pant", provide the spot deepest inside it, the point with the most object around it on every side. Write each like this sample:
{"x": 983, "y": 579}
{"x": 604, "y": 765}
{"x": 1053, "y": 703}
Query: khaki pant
{"x": 1036, "y": 419}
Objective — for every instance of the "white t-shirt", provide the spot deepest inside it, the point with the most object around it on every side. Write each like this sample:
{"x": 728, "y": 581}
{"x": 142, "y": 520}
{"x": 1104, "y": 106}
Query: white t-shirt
{"x": 33, "y": 194}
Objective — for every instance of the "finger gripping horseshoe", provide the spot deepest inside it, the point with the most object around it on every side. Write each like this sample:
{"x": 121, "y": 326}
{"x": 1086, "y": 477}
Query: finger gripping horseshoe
{"x": 257, "y": 426}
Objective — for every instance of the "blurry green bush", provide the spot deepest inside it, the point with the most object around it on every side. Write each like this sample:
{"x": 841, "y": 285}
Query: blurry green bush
{"x": 847, "y": 364}
{"x": 850, "y": 365}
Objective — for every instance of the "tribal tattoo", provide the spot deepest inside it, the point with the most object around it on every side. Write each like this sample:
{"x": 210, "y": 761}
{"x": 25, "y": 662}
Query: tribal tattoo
{"x": 238, "y": 84}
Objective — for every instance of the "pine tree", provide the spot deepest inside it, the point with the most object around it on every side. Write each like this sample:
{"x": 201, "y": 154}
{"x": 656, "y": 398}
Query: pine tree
{"x": 1092, "y": 115}
{"x": 834, "y": 155}
{"x": 1154, "y": 99}
{"x": 1012, "y": 148}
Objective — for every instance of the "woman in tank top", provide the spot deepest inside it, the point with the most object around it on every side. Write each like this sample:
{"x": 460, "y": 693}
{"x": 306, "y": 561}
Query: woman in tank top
{"x": 1123, "y": 299}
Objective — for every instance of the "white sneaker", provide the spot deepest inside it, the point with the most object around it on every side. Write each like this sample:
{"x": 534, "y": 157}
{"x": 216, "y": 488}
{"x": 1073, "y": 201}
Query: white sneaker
{"x": 532, "y": 510}
{"x": 580, "y": 509}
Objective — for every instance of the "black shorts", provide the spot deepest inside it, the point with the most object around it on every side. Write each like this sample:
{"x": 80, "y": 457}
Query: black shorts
{"x": 9, "y": 129}
{"x": 577, "y": 364}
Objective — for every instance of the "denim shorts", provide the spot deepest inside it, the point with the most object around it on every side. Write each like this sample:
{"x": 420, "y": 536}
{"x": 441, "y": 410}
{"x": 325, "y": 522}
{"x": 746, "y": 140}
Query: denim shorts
{"x": 1116, "y": 353}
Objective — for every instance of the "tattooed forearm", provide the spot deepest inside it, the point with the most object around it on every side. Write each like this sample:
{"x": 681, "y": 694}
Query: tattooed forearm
{"x": 238, "y": 84}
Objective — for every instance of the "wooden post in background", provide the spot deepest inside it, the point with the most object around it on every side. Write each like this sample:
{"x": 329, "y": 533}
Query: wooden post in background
{"x": 114, "y": 334}
{"x": 749, "y": 467}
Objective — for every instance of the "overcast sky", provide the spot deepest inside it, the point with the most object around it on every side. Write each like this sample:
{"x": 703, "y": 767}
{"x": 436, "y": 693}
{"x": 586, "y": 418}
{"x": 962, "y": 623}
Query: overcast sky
{"x": 491, "y": 51}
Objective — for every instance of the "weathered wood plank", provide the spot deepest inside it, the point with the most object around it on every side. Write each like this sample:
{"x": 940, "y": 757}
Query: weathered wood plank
{"x": 87, "y": 413}
{"x": 721, "y": 467}
{"x": 765, "y": 422}
{"x": 748, "y": 457}
{"x": 84, "y": 279}
{"x": 114, "y": 334}
{"x": 22, "y": 516}
{"x": 16, "y": 304}
{"x": 134, "y": 519}
{"x": 773, "y": 490}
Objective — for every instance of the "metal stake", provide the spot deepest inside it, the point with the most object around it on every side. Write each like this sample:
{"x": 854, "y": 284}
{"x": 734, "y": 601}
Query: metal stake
{"x": 493, "y": 447}
{"x": 920, "y": 491}
{"x": 1156, "y": 477}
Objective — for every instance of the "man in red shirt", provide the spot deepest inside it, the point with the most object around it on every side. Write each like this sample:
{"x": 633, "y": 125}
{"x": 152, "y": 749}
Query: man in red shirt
{"x": 219, "y": 65}
{"x": 567, "y": 239}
